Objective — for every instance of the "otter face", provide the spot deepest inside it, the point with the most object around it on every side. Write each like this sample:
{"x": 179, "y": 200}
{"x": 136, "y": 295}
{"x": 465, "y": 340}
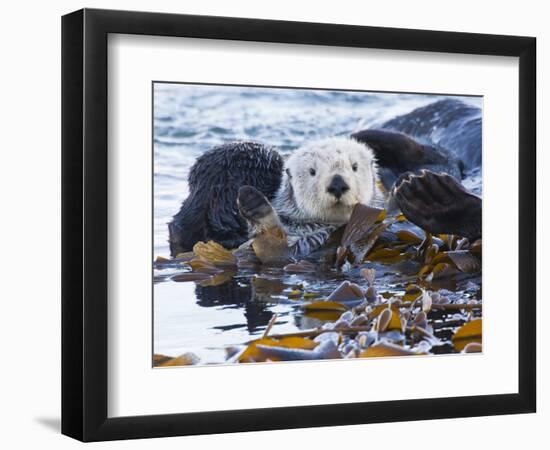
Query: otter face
{"x": 328, "y": 177}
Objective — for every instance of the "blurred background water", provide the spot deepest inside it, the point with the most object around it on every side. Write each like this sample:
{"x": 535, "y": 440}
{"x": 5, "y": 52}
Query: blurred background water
{"x": 190, "y": 119}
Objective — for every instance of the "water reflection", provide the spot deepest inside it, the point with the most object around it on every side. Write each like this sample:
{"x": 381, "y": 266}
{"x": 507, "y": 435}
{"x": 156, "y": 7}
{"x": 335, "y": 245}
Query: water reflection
{"x": 236, "y": 293}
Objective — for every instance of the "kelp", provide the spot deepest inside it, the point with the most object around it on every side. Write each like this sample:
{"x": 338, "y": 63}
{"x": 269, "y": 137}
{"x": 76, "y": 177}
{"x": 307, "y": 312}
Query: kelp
{"x": 463, "y": 260}
{"x": 271, "y": 246}
{"x": 187, "y": 359}
{"x": 191, "y": 276}
{"x": 394, "y": 299}
{"x": 365, "y": 226}
{"x": 300, "y": 267}
{"x": 369, "y": 275}
{"x": 346, "y": 292}
{"x": 385, "y": 349}
{"x": 325, "y": 306}
{"x": 256, "y": 350}
{"x": 469, "y": 333}
{"x": 215, "y": 254}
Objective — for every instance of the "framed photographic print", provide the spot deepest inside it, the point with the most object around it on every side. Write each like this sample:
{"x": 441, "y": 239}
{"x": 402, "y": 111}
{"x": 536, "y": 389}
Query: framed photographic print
{"x": 273, "y": 224}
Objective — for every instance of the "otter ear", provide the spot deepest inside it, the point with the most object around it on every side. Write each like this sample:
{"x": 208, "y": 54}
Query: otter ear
{"x": 288, "y": 173}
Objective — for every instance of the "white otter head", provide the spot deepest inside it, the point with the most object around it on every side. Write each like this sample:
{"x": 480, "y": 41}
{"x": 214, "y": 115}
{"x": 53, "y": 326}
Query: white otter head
{"x": 326, "y": 178}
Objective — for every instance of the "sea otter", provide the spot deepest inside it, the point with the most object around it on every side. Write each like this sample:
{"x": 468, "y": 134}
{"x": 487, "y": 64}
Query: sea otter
{"x": 313, "y": 192}
{"x": 322, "y": 182}
{"x": 312, "y": 197}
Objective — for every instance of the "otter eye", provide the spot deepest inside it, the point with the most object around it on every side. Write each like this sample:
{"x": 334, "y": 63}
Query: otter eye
{"x": 312, "y": 172}
{"x": 354, "y": 167}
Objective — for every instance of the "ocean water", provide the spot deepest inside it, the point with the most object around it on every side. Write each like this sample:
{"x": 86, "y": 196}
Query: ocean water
{"x": 190, "y": 119}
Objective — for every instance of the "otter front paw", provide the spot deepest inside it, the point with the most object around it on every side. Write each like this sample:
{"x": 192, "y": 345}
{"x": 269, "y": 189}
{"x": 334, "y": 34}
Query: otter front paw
{"x": 255, "y": 207}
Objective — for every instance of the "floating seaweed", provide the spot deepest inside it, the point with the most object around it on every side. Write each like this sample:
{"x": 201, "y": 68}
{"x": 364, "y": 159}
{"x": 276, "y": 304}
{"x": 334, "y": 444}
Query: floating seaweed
{"x": 395, "y": 290}
{"x": 301, "y": 266}
{"x": 469, "y": 333}
{"x": 215, "y": 254}
{"x": 363, "y": 229}
{"x": 187, "y": 359}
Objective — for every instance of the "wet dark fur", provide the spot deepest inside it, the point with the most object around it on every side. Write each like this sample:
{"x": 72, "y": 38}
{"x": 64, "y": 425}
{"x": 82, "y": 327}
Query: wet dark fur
{"x": 210, "y": 210}
{"x": 397, "y": 153}
{"x": 461, "y": 124}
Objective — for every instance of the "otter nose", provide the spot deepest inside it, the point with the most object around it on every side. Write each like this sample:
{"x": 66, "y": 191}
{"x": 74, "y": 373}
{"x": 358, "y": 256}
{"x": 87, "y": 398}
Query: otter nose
{"x": 337, "y": 186}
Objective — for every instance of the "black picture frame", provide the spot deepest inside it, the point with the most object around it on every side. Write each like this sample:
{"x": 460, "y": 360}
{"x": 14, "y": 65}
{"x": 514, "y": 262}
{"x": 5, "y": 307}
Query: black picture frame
{"x": 84, "y": 224}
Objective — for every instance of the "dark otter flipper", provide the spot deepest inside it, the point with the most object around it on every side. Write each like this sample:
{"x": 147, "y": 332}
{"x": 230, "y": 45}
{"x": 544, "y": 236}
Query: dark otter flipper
{"x": 269, "y": 242}
{"x": 255, "y": 207}
{"x": 438, "y": 203}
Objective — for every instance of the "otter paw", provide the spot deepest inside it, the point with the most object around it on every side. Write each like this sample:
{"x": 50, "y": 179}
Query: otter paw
{"x": 255, "y": 207}
{"x": 438, "y": 203}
